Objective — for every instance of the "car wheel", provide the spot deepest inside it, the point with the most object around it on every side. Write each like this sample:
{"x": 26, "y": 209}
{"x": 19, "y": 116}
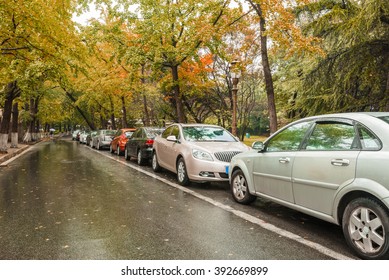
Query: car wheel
{"x": 154, "y": 163}
{"x": 239, "y": 188}
{"x": 111, "y": 149}
{"x": 365, "y": 226}
{"x": 182, "y": 175}
{"x": 140, "y": 159}
{"x": 126, "y": 155}
{"x": 118, "y": 151}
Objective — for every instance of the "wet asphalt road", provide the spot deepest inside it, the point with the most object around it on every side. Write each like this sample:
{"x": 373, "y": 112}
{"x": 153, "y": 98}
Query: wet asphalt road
{"x": 62, "y": 201}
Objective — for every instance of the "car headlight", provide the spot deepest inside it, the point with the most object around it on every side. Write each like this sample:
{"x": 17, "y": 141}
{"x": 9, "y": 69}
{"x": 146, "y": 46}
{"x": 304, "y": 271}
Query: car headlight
{"x": 201, "y": 155}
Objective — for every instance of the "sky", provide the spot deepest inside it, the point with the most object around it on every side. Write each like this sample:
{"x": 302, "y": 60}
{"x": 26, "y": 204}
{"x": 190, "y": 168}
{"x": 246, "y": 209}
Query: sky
{"x": 83, "y": 19}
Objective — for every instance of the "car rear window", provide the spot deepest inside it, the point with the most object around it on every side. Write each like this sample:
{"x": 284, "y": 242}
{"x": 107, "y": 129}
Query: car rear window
{"x": 152, "y": 133}
{"x": 110, "y": 132}
{"x": 385, "y": 119}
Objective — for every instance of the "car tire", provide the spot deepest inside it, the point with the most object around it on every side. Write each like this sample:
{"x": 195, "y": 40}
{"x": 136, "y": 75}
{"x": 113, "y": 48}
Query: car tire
{"x": 182, "y": 174}
{"x": 140, "y": 160}
{"x": 365, "y": 226}
{"x": 154, "y": 163}
{"x": 111, "y": 149}
{"x": 118, "y": 152}
{"x": 126, "y": 155}
{"x": 239, "y": 188}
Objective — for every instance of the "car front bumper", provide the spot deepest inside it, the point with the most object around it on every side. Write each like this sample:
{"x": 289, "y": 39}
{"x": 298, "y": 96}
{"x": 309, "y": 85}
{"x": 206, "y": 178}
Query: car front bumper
{"x": 207, "y": 171}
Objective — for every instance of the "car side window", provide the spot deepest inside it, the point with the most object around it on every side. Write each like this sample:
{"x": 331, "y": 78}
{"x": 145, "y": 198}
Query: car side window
{"x": 176, "y": 132}
{"x": 368, "y": 140}
{"x": 330, "y": 136}
{"x": 167, "y": 132}
{"x": 288, "y": 139}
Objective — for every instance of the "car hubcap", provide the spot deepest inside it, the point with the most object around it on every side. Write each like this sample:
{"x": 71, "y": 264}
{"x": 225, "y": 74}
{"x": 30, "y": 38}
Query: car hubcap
{"x": 366, "y": 230}
{"x": 181, "y": 171}
{"x": 239, "y": 187}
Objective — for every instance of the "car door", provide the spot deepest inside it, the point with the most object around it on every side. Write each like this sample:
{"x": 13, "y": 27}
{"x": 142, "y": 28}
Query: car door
{"x": 326, "y": 163}
{"x": 160, "y": 147}
{"x": 272, "y": 168}
{"x": 170, "y": 150}
{"x": 132, "y": 143}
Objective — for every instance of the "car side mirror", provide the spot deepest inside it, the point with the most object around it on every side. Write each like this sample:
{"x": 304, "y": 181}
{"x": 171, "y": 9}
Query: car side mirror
{"x": 258, "y": 145}
{"x": 172, "y": 138}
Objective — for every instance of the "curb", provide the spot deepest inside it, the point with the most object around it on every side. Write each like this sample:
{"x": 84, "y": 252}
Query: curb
{"x": 4, "y": 158}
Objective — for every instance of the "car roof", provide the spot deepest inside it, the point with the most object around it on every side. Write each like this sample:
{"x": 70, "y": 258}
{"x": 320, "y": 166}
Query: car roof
{"x": 196, "y": 125}
{"x": 353, "y": 115}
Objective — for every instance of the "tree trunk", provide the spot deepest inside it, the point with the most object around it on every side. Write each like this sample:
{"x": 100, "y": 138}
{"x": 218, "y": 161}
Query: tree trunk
{"x": 177, "y": 98}
{"x": 12, "y": 91}
{"x": 73, "y": 99}
{"x": 112, "y": 114}
{"x": 146, "y": 119}
{"x": 124, "y": 113}
{"x": 31, "y": 134}
{"x": 266, "y": 69}
{"x": 15, "y": 125}
{"x": 268, "y": 78}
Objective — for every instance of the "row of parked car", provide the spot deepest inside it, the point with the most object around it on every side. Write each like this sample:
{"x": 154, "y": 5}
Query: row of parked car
{"x": 333, "y": 167}
{"x": 195, "y": 152}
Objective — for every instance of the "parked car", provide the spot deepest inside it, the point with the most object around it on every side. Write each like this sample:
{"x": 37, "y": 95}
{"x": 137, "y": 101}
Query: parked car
{"x": 118, "y": 143}
{"x": 333, "y": 167}
{"x": 102, "y": 139}
{"x": 83, "y": 135}
{"x": 140, "y": 144}
{"x": 89, "y": 137}
{"x": 76, "y": 135}
{"x": 196, "y": 152}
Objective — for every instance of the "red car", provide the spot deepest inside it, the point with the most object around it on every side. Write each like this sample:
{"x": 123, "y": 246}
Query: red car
{"x": 118, "y": 143}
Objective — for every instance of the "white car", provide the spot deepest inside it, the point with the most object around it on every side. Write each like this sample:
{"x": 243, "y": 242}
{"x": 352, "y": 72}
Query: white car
{"x": 333, "y": 167}
{"x": 196, "y": 152}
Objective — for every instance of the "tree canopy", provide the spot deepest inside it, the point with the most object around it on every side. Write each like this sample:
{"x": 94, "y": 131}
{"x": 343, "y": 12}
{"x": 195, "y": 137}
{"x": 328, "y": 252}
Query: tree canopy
{"x": 151, "y": 62}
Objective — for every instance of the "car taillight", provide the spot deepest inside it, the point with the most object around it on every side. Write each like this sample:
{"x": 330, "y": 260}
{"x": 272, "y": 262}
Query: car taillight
{"x": 149, "y": 142}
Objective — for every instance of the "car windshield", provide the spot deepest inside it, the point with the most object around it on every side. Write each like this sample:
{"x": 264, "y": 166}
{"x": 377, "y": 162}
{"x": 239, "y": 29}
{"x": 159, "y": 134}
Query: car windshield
{"x": 207, "y": 133}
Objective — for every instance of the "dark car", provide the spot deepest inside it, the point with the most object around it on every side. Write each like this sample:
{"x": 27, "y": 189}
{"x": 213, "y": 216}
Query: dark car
{"x": 140, "y": 145}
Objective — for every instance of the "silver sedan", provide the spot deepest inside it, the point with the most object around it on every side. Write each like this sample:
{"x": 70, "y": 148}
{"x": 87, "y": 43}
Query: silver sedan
{"x": 333, "y": 167}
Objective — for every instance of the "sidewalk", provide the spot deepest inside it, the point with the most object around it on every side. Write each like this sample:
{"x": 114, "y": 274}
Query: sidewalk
{"x": 12, "y": 152}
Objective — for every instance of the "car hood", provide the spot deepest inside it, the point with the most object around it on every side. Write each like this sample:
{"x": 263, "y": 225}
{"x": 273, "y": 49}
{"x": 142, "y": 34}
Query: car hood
{"x": 213, "y": 147}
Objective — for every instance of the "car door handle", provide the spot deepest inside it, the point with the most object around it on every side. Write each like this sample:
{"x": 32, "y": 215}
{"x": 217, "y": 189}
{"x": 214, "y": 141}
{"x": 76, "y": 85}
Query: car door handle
{"x": 340, "y": 162}
{"x": 284, "y": 160}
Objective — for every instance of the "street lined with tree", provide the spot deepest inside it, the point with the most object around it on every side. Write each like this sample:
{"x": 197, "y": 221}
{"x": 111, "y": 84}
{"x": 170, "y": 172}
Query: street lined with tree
{"x": 160, "y": 61}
